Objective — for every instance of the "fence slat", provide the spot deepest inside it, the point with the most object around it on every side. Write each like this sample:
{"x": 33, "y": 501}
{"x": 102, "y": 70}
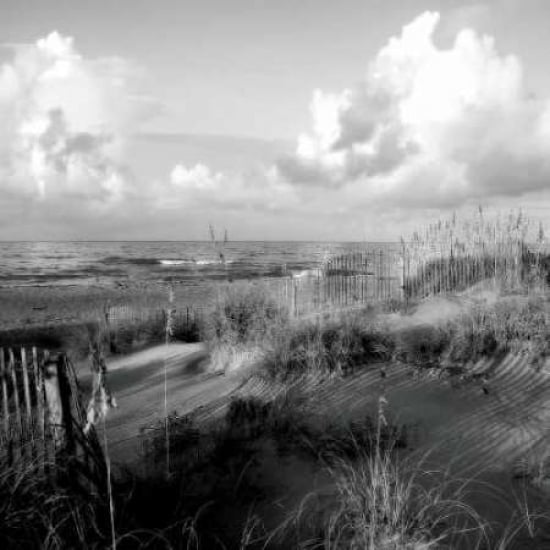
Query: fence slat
{"x": 11, "y": 367}
{"x": 40, "y": 416}
{"x": 5, "y": 401}
{"x": 26, "y": 388}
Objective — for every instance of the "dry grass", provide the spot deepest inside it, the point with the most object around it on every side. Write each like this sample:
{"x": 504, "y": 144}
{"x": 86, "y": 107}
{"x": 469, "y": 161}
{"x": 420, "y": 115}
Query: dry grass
{"x": 243, "y": 319}
{"x": 451, "y": 255}
{"x": 327, "y": 347}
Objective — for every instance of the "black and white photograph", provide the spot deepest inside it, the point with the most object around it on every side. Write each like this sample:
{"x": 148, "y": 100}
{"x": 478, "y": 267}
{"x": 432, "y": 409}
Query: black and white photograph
{"x": 275, "y": 274}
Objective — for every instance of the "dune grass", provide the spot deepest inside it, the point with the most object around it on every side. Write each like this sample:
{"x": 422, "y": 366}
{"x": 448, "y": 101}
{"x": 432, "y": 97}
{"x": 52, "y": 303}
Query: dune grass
{"x": 243, "y": 318}
{"x": 333, "y": 346}
{"x": 358, "y": 339}
{"x": 452, "y": 255}
{"x": 215, "y": 497}
{"x": 121, "y": 338}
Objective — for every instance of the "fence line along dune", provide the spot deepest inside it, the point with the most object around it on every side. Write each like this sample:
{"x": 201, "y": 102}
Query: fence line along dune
{"x": 455, "y": 254}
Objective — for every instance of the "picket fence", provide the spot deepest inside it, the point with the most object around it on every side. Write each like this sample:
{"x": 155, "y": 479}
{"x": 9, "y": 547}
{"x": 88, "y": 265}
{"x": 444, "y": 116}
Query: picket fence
{"x": 40, "y": 407}
{"x": 346, "y": 280}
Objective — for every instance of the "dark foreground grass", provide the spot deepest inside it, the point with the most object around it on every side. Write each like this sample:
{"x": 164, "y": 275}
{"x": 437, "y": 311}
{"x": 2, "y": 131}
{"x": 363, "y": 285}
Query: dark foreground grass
{"x": 216, "y": 496}
{"x": 377, "y": 498}
{"x": 224, "y": 465}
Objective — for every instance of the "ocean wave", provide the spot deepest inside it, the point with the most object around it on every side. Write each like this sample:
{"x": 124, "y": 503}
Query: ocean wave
{"x": 212, "y": 262}
{"x": 167, "y": 262}
{"x": 133, "y": 261}
{"x": 306, "y": 273}
{"x": 175, "y": 262}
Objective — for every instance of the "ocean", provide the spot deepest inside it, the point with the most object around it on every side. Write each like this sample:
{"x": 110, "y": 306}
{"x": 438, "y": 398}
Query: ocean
{"x": 26, "y": 264}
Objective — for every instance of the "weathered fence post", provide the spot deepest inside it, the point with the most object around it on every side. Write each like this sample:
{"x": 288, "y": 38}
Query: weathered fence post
{"x": 3, "y": 373}
{"x": 53, "y": 404}
{"x": 26, "y": 391}
{"x": 381, "y": 274}
{"x": 403, "y": 272}
{"x": 295, "y": 298}
{"x": 15, "y": 392}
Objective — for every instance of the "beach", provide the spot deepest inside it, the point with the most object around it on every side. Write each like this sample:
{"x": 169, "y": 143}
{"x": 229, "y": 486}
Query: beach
{"x": 64, "y": 282}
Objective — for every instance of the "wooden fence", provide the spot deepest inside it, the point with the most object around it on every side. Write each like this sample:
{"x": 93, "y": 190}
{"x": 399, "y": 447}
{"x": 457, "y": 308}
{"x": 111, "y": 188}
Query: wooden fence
{"x": 40, "y": 405}
{"x": 371, "y": 276}
{"x": 438, "y": 273}
{"x": 386, "y": 274}
{"x": 402, "y": 273}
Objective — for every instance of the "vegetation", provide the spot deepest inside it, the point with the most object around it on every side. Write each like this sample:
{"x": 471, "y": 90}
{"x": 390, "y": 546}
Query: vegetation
{"x": 334, "y": 346}
{"x": 358, "y": 339}
{"x": 215, "y": 496}
{"x": 119, "y": 338}
{"x": 223, "y": 489}
{"x": 243, "y": 318}
{"x": 452, "y": 255}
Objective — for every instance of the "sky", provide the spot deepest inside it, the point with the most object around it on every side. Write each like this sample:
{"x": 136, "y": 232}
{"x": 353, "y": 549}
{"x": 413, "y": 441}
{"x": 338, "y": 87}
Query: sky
{"x": 275, "y": 119}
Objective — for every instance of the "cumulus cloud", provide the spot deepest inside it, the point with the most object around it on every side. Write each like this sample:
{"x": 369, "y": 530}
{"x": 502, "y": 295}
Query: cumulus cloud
{"x": 198, "y": 178}
{"x": 199, "y": 186}
{"x": 429, "y": 125}
{"x": 64, "y": 121}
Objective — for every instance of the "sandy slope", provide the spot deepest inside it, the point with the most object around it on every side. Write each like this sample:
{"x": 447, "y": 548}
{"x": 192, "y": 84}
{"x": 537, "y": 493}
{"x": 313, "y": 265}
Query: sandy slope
{"x": 462, "y": 426}
{"x": 458, "y": 425}
{"x": 137, "y": 382}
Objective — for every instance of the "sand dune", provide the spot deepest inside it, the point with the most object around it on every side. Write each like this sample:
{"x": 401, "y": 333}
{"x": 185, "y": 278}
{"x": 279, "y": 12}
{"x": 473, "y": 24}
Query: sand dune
{"x": 460, "y": 426}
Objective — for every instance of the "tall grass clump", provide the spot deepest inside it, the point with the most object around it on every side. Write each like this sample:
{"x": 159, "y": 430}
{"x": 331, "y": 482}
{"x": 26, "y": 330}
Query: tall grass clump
{"x": 381, "y": 501}
{"x": 51, "y": 505}
{"x": 482, "y": 329}
{"x": 383, "y": 505}
{"x": 334, "y": 346}
{"x": 242, "y": 320}
{"x": 511, "y": 324}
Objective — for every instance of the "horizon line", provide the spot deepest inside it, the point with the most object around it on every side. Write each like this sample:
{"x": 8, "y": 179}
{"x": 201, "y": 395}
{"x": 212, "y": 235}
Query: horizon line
{"x": 2, "y": 241}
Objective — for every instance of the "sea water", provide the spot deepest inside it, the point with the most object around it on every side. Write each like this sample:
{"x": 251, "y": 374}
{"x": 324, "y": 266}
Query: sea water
{"x": 183, "y": 263}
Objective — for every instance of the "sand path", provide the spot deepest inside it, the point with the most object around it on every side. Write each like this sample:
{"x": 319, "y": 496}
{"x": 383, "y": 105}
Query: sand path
{"x": 460, "y": 426}
{"x": 137, "y": 382}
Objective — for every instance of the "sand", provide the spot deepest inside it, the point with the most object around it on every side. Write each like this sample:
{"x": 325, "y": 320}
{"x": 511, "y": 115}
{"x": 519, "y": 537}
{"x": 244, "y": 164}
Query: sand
{"x": 461, "y": 426}
{"x": 51, "y": 304}
{"x": 40, "y": 305}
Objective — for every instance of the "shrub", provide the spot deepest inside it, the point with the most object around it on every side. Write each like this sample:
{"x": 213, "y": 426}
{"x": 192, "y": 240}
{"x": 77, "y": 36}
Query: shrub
{"x": 511, "y": 324}
{"x": 243, "y": 315}
{"x": 422, "y": 345}
{"x": 327, "y": 347}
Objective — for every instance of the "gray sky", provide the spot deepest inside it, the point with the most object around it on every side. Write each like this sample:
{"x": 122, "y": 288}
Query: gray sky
{"x": 279, "y": 119}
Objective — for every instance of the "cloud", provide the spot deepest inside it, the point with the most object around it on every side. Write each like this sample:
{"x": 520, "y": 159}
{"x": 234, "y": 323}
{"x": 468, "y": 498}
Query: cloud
{"x": 64, "y": 122}
{"x": 200, "y": 187}
{"x": 198, "y": 178}
{"x": 428, "y": 126}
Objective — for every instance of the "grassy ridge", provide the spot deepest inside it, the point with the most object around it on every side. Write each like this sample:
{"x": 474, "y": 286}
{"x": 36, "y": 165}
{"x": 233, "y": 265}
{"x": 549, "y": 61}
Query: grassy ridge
{"x": 344, "y": 342}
